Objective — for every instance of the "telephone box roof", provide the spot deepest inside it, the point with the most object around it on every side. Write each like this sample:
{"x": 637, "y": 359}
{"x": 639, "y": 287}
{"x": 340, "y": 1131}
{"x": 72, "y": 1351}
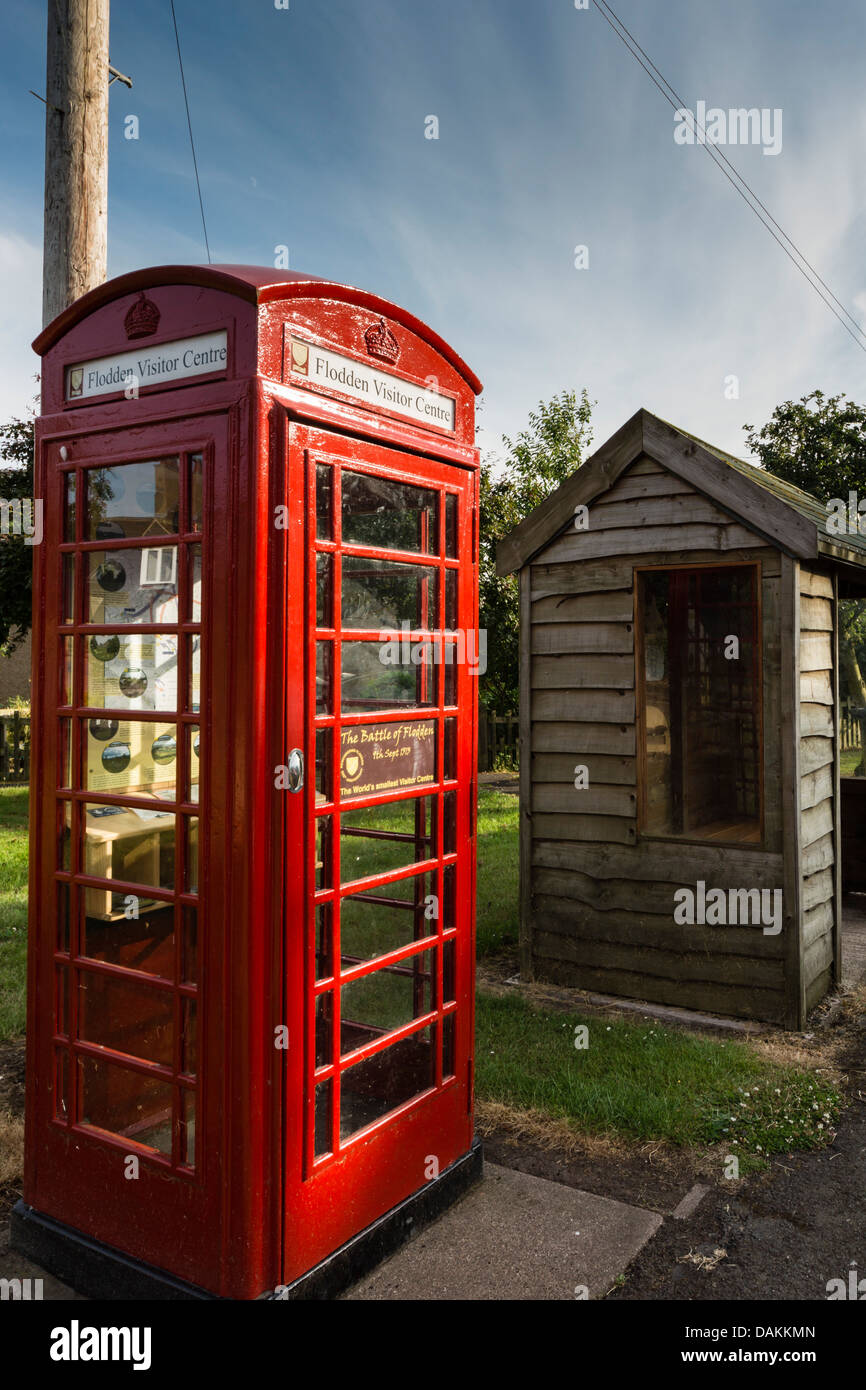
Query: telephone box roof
{"x": 255, "y": 283}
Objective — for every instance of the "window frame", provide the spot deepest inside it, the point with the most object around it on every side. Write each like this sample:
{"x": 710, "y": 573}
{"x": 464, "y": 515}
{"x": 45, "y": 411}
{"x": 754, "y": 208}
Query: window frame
{"x": 642, "y": 833}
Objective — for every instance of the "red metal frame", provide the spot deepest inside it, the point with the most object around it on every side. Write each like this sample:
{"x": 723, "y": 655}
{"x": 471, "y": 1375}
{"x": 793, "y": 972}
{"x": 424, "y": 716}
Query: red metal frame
{"x": 259, "y": 1206}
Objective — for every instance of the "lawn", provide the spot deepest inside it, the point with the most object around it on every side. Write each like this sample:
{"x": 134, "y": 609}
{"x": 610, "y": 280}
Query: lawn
{"x": 498, "y": 871}
{"x": 639, "y": 1081}
{"x": 13, "y": 909}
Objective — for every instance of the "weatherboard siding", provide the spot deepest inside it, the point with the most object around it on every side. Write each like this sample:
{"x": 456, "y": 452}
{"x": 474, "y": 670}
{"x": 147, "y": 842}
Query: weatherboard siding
{"x": 818, "y": 783}
{"x": 598, "y": 902}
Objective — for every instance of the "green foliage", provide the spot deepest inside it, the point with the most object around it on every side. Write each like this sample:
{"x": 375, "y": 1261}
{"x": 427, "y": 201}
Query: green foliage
{"x": 817, "y": 443}
{"x": 537, "y": 461}
{"x": 13, "y": 909}
{"x": 16, "y": 558}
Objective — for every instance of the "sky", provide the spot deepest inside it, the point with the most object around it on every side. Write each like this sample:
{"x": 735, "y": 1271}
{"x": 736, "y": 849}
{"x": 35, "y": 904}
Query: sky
{"x": 310, "y": 133}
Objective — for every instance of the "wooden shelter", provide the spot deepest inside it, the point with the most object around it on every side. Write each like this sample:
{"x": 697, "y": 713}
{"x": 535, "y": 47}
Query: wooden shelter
{"x": 681, "y": 809}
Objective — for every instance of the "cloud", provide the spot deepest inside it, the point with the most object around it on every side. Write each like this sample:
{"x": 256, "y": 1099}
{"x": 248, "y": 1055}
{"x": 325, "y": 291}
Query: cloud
{"x": 21, "y": 320}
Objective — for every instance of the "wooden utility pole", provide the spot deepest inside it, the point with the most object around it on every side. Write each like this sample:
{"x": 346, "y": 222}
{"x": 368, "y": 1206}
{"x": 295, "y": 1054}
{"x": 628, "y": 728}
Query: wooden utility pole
{"x": 76, "y": 152}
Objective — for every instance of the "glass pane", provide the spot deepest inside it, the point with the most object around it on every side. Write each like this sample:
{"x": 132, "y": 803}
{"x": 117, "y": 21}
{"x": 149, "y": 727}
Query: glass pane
{"x": 385, "y": 1000}
{"x": 189, "y": 953}
{"x": 187, "y": 1122}
{"x": 324, "y": 740}
{"x": 449, "y": 906}
{"x": 61, "y": 999}
{"x": 324, "y": 873}
{"x": 126, "y": 1016}
{"x": 136, "y": 846}
{"x": 449, "y": 666}
{"x": 63, "y": 908}
{"x": 61, "y": 1084}
{"x": 389, "y": 515}
{"x": 64, "y": 835}
{"x": 450, "y": 828}
{"x": 381, "y": 838}
{"x": 194, "y": 661}
{"x": 67, "y": 670}
{"x": 324, "y": 682}
{"x": 142, "y": 941}
{"x": 64, "y": 760}
{"x": 451, "y": 600}
{"x": 323, "y": 941}
{"x": 68, "y": 615}
{"x": 131, "y": 671}
{"x": 324, "y": 1026}
{"x": 448, "y": 1028}
{"x": 372, "y": 924}
{"x": 449, "y": 979}
{"x": 69, "y": 507}
{"x": 189, "y": 1038}
{"x": 387, "y": 757}
{"x": 196, "y": 481}
{"x": 323, "y": 1118}
{"x": 138, "y": 759}
{"x": 451, "y": 526}
{"x": 701, "y": 710}
{"x": 450, "y": 750}
{"x": 385, "y": 675}
{"x": 135, "y": 499}
{"x": 132, "y": 586}
{"x": 195, "y": 584}
{"x": 324, "y": 508}
{"x": 127, "y": 1103}
{"x": 383, "y": 594}
{"x": 191, "y": 853}
{"x": 325, "y": 591}
{"x": 193, "y": 761}
{"x": 381, "y": 1083}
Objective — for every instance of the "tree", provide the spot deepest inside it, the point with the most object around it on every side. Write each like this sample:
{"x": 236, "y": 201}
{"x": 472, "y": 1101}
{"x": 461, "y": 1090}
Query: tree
{"x": 537, "y": 461}
{"x": 16, "y": 558}
{"x": 819, "y": 444}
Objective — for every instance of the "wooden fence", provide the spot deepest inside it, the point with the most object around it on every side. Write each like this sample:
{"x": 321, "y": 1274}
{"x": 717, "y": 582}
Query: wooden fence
{"x": 498, "y": 741}
{"x": 14, "y": 747}
{"x": 850, "y": 728}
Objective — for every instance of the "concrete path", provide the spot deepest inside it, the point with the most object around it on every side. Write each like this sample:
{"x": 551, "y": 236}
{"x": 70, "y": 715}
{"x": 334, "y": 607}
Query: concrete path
{"x": 512, "y": 1237}
{"x": 515, "y": 1237}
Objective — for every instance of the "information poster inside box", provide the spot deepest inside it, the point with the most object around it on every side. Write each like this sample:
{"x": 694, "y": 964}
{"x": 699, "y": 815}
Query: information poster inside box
{"x": 387, "y": 757}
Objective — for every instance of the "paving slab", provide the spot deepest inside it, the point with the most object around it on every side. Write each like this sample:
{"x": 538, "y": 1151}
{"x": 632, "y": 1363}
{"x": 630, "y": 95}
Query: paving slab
{"x": 21, "y": 1279}
{"x": 515, "y": 1237}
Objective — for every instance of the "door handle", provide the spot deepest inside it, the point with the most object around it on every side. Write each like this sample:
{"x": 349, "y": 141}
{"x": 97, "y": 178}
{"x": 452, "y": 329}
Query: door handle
{"x": 296, "y": 770}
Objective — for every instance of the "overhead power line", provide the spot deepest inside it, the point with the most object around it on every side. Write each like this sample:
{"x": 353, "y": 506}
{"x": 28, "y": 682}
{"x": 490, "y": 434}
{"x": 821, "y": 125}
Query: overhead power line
{"x": 189, "y": 125}
{"x": 735, "y": 179}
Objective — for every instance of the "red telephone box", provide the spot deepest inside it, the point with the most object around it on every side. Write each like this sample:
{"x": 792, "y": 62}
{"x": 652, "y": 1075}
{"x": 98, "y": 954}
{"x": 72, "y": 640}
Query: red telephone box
{"x": 253, "y": 830}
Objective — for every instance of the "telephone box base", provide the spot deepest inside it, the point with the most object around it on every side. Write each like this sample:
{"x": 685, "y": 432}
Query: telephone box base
{"x": 100, "y": 1272}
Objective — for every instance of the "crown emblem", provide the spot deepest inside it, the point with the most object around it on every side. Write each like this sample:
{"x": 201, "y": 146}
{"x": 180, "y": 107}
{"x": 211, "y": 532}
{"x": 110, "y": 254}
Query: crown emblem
{"x": 142, "y": 318}
{"x": 381, "y": 343}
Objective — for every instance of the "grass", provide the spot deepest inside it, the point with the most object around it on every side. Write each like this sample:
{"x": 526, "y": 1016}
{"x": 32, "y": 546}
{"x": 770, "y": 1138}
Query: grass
{"x": 643, "y": 1082}
{"x": 849, "y": 761}
{"x": 13, "y": 909}
{"x": 498, "y": 871}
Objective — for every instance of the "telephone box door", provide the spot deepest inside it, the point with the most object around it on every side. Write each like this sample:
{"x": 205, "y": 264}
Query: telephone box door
{"x": 380, "y": 919}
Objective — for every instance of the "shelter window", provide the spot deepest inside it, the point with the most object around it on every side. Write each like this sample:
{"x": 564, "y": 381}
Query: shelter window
{"x": 699, "y": 703}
